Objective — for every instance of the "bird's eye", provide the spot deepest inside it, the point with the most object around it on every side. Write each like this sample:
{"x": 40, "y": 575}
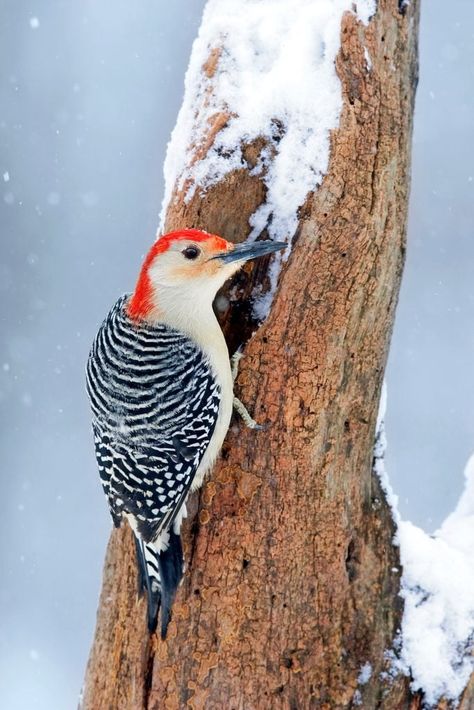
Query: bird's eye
{"x": 191, "y": 252}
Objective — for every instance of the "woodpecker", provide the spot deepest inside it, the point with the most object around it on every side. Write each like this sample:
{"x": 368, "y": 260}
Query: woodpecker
{"x": 160, "y": 387}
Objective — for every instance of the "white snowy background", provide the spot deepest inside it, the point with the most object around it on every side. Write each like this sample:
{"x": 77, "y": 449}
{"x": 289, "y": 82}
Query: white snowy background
{"x": 89, "y": 93}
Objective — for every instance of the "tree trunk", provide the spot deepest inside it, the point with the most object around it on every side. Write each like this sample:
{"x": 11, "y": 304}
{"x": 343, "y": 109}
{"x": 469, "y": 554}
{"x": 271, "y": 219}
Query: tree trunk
{"x": 292, "y": 580}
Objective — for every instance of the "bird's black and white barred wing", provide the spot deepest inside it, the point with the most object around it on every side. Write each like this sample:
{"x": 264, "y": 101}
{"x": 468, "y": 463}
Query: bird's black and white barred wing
{"x": 155, "y": 404}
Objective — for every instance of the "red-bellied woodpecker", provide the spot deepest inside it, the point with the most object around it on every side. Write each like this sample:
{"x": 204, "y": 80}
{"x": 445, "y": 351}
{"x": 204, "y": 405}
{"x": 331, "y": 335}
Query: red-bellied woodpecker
{"x": 161, "y": 392}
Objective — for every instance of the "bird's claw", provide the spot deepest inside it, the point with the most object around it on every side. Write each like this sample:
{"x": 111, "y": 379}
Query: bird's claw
{"x": 239, "y": 406}
{"x": 248, "y": 420}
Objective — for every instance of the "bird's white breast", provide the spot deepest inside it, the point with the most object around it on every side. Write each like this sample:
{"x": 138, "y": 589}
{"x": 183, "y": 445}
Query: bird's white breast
{"x": 218, "y": 356}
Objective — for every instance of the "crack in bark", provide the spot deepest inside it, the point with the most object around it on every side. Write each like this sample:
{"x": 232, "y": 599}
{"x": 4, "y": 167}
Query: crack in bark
{"x": 148, "y": 675}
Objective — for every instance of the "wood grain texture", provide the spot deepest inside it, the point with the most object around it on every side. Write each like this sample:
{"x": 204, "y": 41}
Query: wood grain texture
{"x": 292, "y": 580}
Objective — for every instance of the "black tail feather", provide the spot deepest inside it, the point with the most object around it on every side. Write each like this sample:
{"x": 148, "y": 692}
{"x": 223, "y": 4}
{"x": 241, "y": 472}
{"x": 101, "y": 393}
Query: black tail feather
{"x": 170, "y": 562}
{"x": 146, "y": 584}
{"x": 170, "y": 566}
{"x": 154, "y": 601}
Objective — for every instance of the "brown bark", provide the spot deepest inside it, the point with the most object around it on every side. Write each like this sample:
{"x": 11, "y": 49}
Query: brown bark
{"x": 292, "y": 580}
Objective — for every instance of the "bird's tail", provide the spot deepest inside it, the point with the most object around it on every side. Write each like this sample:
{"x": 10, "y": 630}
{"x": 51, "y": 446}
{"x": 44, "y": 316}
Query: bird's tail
{"x": 160, "y": 570}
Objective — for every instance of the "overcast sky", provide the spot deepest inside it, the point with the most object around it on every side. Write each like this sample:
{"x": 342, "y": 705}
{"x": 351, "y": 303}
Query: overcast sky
{"x": 88, "y": 96}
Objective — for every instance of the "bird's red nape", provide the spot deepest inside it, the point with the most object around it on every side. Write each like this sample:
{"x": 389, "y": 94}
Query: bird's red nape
{"x": 141, "y": 302}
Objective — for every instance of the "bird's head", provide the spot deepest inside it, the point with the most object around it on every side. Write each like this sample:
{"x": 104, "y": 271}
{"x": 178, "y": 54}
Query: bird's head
{"x": 185, "y": 269}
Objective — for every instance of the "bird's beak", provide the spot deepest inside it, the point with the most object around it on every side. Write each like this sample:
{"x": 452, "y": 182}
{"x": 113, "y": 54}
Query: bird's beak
{"x": 250, "y": 250}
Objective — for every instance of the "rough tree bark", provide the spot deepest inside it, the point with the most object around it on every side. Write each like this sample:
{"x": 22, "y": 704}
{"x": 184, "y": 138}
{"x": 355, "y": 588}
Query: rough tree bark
{"x": 292, "y": 581}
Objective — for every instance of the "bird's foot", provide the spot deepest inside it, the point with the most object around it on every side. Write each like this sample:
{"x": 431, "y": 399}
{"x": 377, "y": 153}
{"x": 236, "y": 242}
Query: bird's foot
{"x": 239, "y": 406}
{"x": 247, "y": 419}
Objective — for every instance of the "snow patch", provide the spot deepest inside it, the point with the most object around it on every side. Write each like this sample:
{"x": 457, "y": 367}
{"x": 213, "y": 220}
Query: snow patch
{"x": 274, "y": 78}
{"x": 380, "y": 448}
{"x": 365, "y": 674}
{"x": 382, "y": 411}
{"x": 368, "y": 61}
{"x": 437, "y": 588}
{"x": 438, "y": 620}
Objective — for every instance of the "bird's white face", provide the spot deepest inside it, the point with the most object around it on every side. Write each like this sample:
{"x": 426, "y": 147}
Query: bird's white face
{"x": 193, "y": 270}
{"x": 183, "y": 272}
